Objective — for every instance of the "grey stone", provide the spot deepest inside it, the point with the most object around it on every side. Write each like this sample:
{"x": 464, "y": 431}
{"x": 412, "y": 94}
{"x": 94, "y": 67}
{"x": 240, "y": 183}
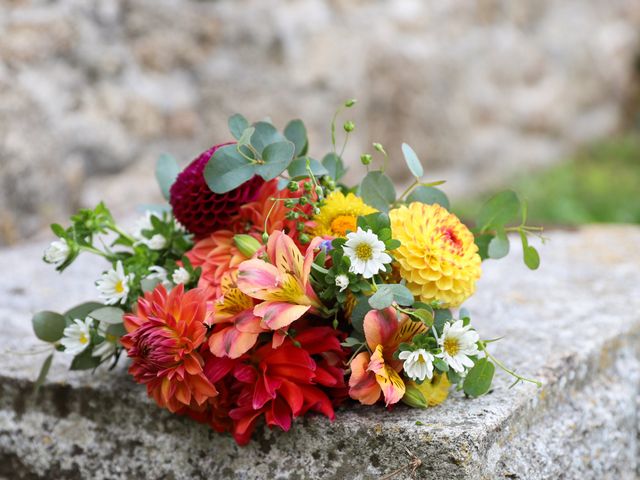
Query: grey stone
{"x": 574, "y": 325}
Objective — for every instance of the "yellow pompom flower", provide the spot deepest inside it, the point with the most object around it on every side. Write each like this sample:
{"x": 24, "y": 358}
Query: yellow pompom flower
{"x": 438, "y": 257}
{"x": 340, "y": 214}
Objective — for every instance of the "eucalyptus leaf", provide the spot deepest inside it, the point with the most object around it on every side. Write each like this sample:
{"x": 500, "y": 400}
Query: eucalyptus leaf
{"x": 149, "y": 284}
{"x": 237, "y": 125}
{"x": 499, "y": 210}
{"x": 265, "y": 134}
{"x": 531, "y": 258}
{"x": 482, "y": 241}
{"x": 109, "y": 315}
{"x": 245, "y": 138}
{"x": 44, "y": 371}
{"x": 334, "y": 165}
{"x": 413, "y": 162}
{"x": 227, "y": 169}
{"x": 429, "y": 196}
{"x": 82, "y": 311}
{"x": 48, "y": 326}
{"x": 387, "y": 294}
{"x": 479, "y": 378}
{"x": 499, "y": 245}
{"x": 296, "y": 133}
{"x": 358, "y": 313}
{"x": 84, "y": 361}
{"x": 167, "y": 171}
{"x": 424, "y": 315}
{"x": 277, "y": 157}
{"x": 377, "y": 190}
{"x": 298, "y": 168}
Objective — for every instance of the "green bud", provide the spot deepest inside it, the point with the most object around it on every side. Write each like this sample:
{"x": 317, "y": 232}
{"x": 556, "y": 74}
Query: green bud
{"x": 307, "y": 186}
{"x": 414, "y": 397}
{"x": 265, "y": 237}
{"x": 300, "y": 227}
{"x": 350, "y": 103}
{"x": 304, "y": 238}
{"x": 290, "y": 202}
{"x": 247, "y": 244}
{"x": 349, "y": 126}
{"x": 380, "y": 148}
{"x": 292, "y": 215}
{"x": 365, "y": 159}
{"x": 293, "y": 186}
{"x": 316, "y": 210}
{"x": 303, "y": 200}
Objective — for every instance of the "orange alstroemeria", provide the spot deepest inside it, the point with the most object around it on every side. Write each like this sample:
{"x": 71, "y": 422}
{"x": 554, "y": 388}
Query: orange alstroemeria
{"x": 377, "y": 373}
{"x": 236, "y": 327}
{"x": 282, "y": 283}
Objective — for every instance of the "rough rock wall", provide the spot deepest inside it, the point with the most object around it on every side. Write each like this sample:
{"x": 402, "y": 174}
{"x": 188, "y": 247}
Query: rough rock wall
{"x": 91, "y": 88}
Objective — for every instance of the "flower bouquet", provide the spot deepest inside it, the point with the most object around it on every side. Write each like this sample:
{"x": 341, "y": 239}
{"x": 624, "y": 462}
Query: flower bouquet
{"x": 267, "y": 288}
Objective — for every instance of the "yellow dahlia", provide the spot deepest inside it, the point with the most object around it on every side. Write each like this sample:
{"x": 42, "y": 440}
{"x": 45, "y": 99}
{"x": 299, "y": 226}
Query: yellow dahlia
{"x": 438, "y": 257}
{"x": 339, "y": 214}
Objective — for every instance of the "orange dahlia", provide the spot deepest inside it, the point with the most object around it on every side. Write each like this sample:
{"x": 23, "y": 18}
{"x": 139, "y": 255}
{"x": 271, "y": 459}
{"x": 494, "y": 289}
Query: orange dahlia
{"x": 164, "y": 334}
{"x": 438, "y": 256}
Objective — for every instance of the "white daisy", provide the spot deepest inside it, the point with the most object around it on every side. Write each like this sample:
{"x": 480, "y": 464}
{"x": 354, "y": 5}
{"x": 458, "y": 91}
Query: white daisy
{"x": 156, "y": 242}
{"x": 107, "y": 347}
{"x": 418, "y": 364}
{"x": 77, "y": 336}
{"x": 180, "y": 276}
{"x": 458, "y": 343}
{"x": 57, "y": 252}
{"x": 366, "y": 252}
{"x": 160, "y": 274}
{"x": 342, "y": 281}
{"x": 114, "y": 285}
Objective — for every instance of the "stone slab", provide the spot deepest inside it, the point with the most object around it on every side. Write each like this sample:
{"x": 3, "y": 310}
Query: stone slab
{"x": 575, "y": 325}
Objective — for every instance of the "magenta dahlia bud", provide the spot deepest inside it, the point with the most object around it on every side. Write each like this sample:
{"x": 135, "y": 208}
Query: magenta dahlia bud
{"x": 199, "y": 209}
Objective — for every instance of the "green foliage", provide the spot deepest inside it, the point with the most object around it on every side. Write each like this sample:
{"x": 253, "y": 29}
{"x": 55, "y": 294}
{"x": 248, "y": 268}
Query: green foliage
{"x": 413, "y": 162}
{"x": 228, "y": 169}
{"x": 237, "y": 125}
{"x": 276, "y": 157}
{"x": 499, "y": 245}
{"x": 296, "y": 133}
{"x": 378, "y": 191}
{"x": 44, "y": 371}
{"x": 167, "y": 171}
{"x": 299, "y": 168}
{"x": 82, "y": 311}
{"x": 48, "y": 326}
{"x": 334, "y": 165}
{"x": 498, "y": 211}
{"x": 389, "y": 293}
{"x": 429, "y": 196}
{"x": 478, "y": 380}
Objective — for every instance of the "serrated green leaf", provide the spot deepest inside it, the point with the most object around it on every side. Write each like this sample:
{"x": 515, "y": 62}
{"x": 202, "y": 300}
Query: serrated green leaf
{"x": 531, "y": 258}
{"x": 48, "y": 326}
{"x": 499, "y": 210}
{"x": 413, "y": 162}
{"x": 264, "y": 135}
{"x": 44, "y": 371}
{"x": 377, "y": 190}
{"x": 499, "y": 245}
{"x": 479, "y": 378}
{"x": 277, "y": 157}
{"x": 429, "y": 196}
{"x": 227, "y": 169}
{"x": 334, "y": 165}
{"x": 296, "y": 133}
{"x": 298, "y": 168}
{"x": 167, "y": 171}
{"x": 237, "y": 125}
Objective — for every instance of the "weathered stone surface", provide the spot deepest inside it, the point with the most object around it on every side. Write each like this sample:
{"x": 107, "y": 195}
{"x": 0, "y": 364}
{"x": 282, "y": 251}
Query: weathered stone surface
{"x": 480, "y": 89}
{"x": 574, "y": 325}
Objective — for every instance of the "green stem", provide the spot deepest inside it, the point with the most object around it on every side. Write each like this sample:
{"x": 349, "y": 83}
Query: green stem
{"x": 409, "y": 189}
{"x": 507, "y": 370}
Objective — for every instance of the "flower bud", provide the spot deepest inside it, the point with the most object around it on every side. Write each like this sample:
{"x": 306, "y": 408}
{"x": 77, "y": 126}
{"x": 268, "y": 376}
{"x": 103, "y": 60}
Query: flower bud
{"x": 380, "y": 148}
{"x": 350, "y": 103}
{"x": 303, "y": 200}
{"x": 349, "y": 126}
{"x": 247, "y": 244}
{"x": 304, "y": 238}
{"x": 413, "y": 397}
{"x": 293, "y": 186}
{"x": 265, "y": 237}
{"x": 365, "y": 159}
{"x": 290, "y": 202}
{"x": 307, "y": 186}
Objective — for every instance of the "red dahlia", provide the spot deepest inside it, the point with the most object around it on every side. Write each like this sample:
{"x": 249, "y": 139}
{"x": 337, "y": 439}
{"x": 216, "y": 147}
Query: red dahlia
{"x": 199, "y": 209}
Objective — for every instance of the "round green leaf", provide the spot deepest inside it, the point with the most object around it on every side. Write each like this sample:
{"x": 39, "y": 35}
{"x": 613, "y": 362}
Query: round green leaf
{"x": 499, "y": 210}
{"x": 334, "y": 165}
{"x": 110, "y": 315}
{"x": 81, "y": 311}
{"x": 167, "y": 171}
{"x": 265, "y": 134}
{"x": 298, "y": 168}
{"x": 413, "y": 162}
{"x": 479, "y": 378}
{"x": 48, "y": 326}
{"x": 84, "y": 361}
{"x": 531, "y": 258}
{"x": 498, "y": 246}
{"x": 237, "y": 125}
{"x": 227, "y": 169}
{"x": 429, "y": 196}
{"x": 296, "y": 132}
{"x": 277, "y": 157}
{"x": 377, "y": 190}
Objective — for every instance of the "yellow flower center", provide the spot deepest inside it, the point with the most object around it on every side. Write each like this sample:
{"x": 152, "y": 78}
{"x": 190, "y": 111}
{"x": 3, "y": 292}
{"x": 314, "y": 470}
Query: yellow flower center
{"x": 83, "y": 339}
{"x": 451, "y": 346}
{"x": 364, "y": 251}
{"x": 421, "y": 359}
{"x": 342, "y": 223}
{"x": 119, "y": 287}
